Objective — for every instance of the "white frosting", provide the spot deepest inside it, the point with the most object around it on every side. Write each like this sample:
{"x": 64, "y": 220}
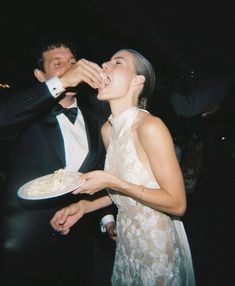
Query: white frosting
{"x": 55, "y": 181}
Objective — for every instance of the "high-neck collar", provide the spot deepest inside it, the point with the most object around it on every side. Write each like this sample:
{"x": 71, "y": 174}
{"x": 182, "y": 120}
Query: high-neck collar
{"x": 123, "y": 121}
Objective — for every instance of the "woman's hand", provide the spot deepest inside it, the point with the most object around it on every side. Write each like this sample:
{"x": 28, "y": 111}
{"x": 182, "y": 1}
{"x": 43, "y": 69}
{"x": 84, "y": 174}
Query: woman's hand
{"x": 94, "y": 182}
{"x": 68, "y": 216}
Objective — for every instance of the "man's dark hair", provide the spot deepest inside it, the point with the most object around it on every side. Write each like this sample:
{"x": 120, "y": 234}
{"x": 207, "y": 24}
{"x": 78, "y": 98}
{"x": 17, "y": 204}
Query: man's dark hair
{"x": 50, "y": 43}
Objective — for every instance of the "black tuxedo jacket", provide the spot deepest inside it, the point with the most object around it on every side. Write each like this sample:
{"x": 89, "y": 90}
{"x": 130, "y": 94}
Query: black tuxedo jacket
{"x": 37, "y": 149}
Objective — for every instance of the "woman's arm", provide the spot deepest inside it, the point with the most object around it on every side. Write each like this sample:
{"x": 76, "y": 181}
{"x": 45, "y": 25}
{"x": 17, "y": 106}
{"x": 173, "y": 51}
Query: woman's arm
{"x": 68, "y": 216}
{"x": 157, "y": 143}
{"x": 154, "y": 142}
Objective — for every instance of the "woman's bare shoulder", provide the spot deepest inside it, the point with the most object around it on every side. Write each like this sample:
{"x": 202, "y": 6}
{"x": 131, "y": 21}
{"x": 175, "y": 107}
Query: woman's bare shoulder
{"x": 152, "y": 132}
{"x": 147, "y": 122}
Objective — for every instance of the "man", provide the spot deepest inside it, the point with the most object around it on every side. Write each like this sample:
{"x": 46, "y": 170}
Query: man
{"x": 44, "y": 140}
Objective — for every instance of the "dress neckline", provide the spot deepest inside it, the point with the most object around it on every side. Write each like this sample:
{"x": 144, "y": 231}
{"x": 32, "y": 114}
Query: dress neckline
{"x": 123, "y": 121}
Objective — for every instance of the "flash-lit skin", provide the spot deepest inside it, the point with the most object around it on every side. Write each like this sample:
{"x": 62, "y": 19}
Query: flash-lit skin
{"x": 123, "y": 83}
{"x": 60, "y": 62}
{"x": 158, "y": 156}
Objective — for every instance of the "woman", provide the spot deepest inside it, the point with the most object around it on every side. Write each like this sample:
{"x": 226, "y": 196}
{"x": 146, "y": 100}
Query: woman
{"x": 144, "y": 181}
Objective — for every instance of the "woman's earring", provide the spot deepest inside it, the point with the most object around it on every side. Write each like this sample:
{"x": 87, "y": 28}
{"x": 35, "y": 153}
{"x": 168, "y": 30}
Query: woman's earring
{"x": 143, "y": 103}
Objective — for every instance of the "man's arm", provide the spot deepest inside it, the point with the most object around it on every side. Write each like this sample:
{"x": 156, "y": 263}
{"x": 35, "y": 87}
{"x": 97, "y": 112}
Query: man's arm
{"x": 108, "y": 224}
{"x": 24, "y": 107}
{"x": 21, "y": 109}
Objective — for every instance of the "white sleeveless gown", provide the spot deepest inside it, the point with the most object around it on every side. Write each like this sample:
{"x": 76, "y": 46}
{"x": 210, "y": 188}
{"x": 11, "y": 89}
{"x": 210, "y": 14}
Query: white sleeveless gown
{"x": 151, "y": 250}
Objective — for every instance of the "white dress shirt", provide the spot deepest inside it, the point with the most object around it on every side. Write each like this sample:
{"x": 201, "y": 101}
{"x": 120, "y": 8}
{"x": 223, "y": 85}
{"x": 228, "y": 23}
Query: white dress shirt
{"x": 74, "y": 135}
{"x": 75, "y": 138}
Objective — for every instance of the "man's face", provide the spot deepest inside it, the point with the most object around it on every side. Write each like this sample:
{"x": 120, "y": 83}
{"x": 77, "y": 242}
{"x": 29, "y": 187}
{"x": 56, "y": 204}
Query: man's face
{"x": 57, "y": 61}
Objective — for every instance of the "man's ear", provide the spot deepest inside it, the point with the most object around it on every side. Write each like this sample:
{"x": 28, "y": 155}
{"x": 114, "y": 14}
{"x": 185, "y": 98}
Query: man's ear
{"x": 39, "y": 75}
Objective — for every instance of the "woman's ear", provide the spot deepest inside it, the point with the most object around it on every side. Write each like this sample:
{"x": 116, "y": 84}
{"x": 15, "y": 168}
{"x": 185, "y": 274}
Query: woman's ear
{"x": 139, "y": 79}
{"x": 39, "y": 75}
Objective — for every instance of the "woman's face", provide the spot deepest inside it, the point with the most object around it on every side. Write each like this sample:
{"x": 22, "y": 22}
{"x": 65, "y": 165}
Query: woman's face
{"x": 119, "y": 74}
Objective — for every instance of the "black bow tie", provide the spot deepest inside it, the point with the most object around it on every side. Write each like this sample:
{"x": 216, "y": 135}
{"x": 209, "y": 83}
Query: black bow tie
{"x": 71, "y": 113}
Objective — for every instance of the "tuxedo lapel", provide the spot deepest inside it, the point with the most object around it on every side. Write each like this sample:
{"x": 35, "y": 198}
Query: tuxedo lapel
{"x": 95, "y": 147}
{"x": 53, "y": 133}
{"x": 94, "y": 143}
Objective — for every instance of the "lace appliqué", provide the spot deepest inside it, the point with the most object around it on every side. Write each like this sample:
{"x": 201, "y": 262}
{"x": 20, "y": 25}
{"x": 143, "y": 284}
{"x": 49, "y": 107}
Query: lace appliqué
{"x": 148, "y": 250}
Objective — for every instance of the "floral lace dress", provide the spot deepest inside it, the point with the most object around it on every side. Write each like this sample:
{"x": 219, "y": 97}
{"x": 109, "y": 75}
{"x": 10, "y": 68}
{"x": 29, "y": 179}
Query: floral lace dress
{"x": 149, "y": 251}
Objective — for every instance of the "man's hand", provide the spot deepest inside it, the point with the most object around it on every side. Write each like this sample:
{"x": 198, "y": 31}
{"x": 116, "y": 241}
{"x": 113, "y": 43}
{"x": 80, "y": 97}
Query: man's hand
{"x": 111, "y": 229}
{"x": 83, "y": 71}
{"x": 67, "y": 217}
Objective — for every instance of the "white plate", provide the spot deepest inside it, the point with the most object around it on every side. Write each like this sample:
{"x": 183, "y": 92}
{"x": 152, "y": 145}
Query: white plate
{"x": 71, "y": 182}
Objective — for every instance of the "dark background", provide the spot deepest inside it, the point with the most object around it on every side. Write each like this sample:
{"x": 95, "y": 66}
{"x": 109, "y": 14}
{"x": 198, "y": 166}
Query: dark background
{"x": 186, "y": 41}
{"x": 176, "y": 36}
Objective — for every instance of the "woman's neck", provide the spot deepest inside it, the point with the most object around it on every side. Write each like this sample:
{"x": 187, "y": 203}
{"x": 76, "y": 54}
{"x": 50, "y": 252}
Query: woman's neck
{"x": 118, "y": 106}
{"x": 117, "y": 110}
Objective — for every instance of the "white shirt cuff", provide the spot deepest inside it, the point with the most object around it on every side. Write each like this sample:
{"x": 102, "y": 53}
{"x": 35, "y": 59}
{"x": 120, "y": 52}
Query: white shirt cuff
{"x": 55, "y": 86}
{"x": 106, "y": 219}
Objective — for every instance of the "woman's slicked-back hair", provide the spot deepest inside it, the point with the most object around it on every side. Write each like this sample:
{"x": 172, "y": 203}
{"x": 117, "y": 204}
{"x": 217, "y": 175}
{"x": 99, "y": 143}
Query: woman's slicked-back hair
{"x": 50, "y": 43}
{"x": 145, "y": 68}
